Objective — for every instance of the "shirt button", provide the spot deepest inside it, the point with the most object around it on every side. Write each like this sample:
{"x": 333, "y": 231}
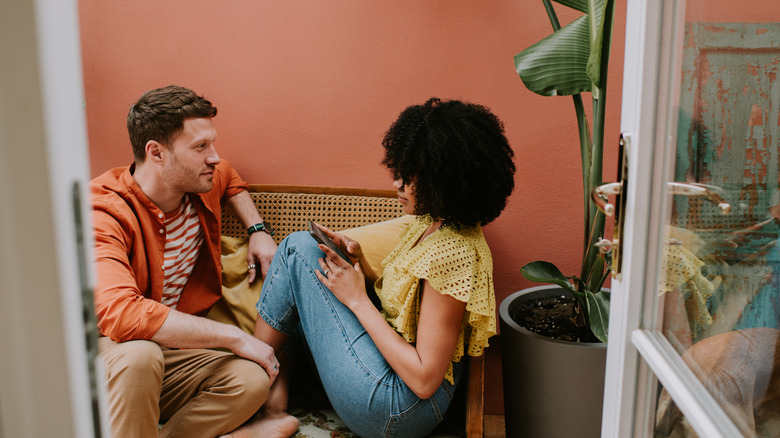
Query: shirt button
{"x": 162, "y": 230}
{"x": 160, "y": 215}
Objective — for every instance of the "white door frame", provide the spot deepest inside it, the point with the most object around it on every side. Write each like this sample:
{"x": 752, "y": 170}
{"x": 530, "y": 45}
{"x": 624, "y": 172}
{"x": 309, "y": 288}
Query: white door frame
{"x": 637, "y": 354}
{"x": 45, "y": 385}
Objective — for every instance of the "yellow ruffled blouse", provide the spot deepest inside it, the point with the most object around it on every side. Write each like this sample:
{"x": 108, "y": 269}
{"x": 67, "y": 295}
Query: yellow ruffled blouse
{"x": 683, "y": 271}
{"x": 455, "y": 263}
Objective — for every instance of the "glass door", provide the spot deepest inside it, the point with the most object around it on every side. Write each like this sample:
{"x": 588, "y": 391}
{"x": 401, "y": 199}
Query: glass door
{"x": 694, "y": 333}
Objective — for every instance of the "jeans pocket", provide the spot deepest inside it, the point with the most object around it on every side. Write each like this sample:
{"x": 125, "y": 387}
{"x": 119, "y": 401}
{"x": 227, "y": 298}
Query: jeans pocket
{"x": 418, "y": 420}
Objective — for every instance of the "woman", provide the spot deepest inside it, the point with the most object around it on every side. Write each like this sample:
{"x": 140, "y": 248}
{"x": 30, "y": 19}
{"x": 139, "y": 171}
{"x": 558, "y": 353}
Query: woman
{"x": 393, "y": 372}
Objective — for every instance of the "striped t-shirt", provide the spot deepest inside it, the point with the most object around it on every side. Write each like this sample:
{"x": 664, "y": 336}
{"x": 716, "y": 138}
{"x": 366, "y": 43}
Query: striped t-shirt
{"x": 183, "y": 238}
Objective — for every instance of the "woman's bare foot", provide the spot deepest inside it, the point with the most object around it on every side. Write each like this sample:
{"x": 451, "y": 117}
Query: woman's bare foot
{"x": 276, "y": 424}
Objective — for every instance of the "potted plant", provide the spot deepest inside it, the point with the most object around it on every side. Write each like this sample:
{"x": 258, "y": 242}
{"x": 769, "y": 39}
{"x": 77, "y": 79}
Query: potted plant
{"x": 570, "y": 61}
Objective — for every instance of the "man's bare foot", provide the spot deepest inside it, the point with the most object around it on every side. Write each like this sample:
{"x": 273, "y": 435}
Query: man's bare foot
{"x": 276, "y": 424}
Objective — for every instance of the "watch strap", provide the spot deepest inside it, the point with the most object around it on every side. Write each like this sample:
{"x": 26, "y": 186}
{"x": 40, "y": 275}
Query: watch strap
{"x": 262, "y": 226}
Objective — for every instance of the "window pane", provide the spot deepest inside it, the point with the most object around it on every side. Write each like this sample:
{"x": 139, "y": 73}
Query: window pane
{"x": 720, "y": 288}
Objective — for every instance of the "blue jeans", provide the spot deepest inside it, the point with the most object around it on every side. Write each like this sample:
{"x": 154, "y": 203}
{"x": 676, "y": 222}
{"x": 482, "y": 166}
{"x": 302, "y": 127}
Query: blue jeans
{"x": 362, "y": 387}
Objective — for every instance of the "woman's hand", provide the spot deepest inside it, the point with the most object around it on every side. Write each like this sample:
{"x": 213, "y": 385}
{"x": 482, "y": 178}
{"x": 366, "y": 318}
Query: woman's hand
{"x": 355, "y": 252}
{"x": 347, "y": 282}
{"x": 350, "y": 247}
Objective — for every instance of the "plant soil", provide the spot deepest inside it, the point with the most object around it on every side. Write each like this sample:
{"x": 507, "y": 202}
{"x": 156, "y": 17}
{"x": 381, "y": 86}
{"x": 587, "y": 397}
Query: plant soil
{"x": 553, "y": 317}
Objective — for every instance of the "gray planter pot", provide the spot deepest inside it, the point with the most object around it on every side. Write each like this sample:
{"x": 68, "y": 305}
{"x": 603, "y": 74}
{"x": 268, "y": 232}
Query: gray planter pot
{"x": 552, "y": 388}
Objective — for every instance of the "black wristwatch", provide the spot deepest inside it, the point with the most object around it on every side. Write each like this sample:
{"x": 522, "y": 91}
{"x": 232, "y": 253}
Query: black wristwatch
{"x": 262, "y": 226}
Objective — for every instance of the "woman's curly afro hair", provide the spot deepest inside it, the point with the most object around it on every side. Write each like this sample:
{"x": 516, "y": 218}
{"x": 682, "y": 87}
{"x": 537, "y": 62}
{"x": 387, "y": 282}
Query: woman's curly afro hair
{"x": 457, "y": 156}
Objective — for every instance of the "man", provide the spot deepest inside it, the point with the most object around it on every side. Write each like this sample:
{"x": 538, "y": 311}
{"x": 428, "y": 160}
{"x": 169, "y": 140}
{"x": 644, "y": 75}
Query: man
{"x": 157, "y": 236}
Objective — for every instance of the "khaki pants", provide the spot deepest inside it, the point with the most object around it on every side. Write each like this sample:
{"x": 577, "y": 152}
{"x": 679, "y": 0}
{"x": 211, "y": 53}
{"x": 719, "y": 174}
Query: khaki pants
{"x": 195, "y": 393}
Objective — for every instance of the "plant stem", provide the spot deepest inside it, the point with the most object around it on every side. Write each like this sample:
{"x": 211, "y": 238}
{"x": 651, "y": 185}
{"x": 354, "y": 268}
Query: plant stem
{"x": 585, "y": 146}
{"x": 600, "y": 101}
{"x": 551, "y": 15}
{"x": 585, "y": 156}
{"x": 594, "y": 220}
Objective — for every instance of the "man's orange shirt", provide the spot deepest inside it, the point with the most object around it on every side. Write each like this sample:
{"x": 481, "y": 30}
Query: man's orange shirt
{"x": 129, "y": 250}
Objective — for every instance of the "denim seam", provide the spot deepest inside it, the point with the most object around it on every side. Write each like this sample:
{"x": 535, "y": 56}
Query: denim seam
{"x": 276, "y": 325}
{"x": 396, "y": 418}
{"x": 448, "y": 391}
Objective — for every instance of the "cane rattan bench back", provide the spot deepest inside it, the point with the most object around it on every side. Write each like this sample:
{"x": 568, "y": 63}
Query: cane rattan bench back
{"x": 289, "y": 208}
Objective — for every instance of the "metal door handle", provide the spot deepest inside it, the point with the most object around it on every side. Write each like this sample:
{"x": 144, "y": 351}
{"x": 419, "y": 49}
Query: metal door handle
{"x": 694, "y": 189}
{"x": 600, "y": 193}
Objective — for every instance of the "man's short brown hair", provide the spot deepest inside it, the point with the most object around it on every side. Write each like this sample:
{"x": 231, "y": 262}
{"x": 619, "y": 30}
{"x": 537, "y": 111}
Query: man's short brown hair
{"x": 159, "y": 115}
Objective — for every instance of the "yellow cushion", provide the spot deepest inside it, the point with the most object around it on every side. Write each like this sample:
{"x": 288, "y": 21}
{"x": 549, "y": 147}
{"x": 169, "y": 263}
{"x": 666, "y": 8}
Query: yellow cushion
{"x": 237, "y": 305}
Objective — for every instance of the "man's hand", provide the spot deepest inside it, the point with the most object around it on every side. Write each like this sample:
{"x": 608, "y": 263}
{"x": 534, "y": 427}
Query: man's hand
{"x": 259, "y": 352}
{"x": 181, "y": 330}
{"x": 261, "y": 245}
{"x": 259, "y": 254}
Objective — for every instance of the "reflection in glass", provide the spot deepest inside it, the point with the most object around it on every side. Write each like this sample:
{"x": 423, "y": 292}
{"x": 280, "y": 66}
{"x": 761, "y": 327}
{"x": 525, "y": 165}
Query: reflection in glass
{"x": 721, "y": 284}
{"x": 669, "y": 421}
{"x": 740, "y": 369}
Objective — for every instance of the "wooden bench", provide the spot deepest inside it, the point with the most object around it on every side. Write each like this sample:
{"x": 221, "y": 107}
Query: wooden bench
{"x": 289, "y": 208}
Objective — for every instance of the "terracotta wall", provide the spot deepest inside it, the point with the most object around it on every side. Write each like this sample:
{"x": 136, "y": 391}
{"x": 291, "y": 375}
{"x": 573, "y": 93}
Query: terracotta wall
{"x": 306, "y": 90}
{"x": 727, "y": 11}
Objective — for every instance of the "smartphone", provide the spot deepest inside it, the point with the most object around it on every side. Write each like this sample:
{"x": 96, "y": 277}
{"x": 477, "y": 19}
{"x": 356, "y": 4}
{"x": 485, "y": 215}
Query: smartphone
{"x": 320, "y": 237}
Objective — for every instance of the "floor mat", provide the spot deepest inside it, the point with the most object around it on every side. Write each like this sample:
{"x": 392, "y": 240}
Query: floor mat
{"x": 323, "y": 423}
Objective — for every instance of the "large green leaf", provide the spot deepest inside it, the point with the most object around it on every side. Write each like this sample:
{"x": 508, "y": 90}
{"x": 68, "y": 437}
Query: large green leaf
{"x": 580, "y": 5}
{"x": 555, "y": 66}
{"x": 598, "y": 314}
{"x": 546, "y": 272}
{"x": 596, "y": 21}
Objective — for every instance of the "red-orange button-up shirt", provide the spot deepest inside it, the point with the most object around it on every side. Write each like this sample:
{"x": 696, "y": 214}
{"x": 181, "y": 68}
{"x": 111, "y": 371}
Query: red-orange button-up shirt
{"x": 129, "y": 248}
